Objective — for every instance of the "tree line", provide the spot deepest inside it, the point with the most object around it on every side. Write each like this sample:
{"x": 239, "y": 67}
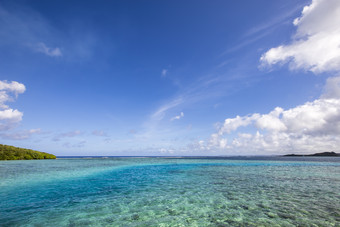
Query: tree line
{"x": 15, "y": 153}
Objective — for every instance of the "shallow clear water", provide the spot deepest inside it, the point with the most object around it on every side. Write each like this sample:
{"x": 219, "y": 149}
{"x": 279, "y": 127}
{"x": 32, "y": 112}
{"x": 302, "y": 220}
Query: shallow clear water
{"x": 170, "y": 192}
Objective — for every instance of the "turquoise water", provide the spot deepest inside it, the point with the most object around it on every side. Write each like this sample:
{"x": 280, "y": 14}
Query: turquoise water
{"x": 170, "y": 192}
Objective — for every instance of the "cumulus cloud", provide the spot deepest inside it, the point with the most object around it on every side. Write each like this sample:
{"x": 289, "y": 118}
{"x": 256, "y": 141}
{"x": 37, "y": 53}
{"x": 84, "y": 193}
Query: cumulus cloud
{"x": 316, "y": 45}
{"x": 9, "y": 117}
{"x": 52, "y": 52}
{"x": 15, "y": 87}
{"x": 313, "y": 126}
{"x": 310, "y": 127}
{"x": 177, "y": 117}
{"x": 231, "y": 124}
{"x": 8, "y": 92}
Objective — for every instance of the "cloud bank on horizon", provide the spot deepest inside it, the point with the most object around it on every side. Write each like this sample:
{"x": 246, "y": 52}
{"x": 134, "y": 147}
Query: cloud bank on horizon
{"x": 310, "y": 127}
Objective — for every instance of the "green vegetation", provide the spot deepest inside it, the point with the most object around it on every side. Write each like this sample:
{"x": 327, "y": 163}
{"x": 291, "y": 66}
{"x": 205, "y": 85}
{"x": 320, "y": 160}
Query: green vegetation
{"x": 16, "y": 153}
{"x": 325, "y": 154}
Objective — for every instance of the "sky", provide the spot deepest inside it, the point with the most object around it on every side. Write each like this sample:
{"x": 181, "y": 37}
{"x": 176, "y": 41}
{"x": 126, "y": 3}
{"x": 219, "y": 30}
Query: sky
{"x": 163, "y": 78}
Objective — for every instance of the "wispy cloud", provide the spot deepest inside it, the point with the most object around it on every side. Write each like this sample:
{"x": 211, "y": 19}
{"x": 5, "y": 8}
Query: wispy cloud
{"x": 99, "y": 133}
{"x": 24, "y": 27}
{"x": 211, "y": 87}
{"x": 74, "y": 145}
{"x": 164, "y": 72}
{"x": 70, "y": 134}
{"x": 283, "y": 17}
{"x": 205, "y": 88}
{"x": 159, "y": 114}
{"x": 177, "y": 117}
{"x": 260, "y": 31}
{"x": 52, "y": 52}
{"x": 21, "y": 135}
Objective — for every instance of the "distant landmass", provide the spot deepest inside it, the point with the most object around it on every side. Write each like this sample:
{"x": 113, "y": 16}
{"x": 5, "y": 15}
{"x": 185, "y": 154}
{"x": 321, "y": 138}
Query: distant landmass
{"x": 327, "y": 154}
{"x": 16, "y": 153}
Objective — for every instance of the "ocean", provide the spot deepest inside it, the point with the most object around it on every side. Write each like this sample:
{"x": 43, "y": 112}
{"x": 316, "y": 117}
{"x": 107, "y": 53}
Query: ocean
{"x": 170, "y": 191}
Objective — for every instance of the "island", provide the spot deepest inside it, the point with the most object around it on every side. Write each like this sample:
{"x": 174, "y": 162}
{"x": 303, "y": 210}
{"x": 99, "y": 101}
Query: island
{"x": 15, "y": 153}
{"x": 323, "y": 154}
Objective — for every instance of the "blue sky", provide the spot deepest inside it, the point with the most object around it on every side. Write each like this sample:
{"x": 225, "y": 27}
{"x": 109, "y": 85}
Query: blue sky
{"x": 164, "y": 77}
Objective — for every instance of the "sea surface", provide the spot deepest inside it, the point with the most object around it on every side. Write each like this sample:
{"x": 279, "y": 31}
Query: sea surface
{"x": 158, "y": 191}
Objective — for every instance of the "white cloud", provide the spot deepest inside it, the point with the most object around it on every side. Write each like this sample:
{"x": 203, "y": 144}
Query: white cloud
{"x": 165, "y": 151}
{"x": 8, "y": 92}
{"x": 21, "y": 135}
{"x": 332, "y": 88}
{"x": 99, "y": 133}
{"x": 164, "y": 72}
{"x": 52, "y": 52}
{"x": 9, "y": 118}
{"x": 177, "y": 117}
{"x": 4, "y": 97}
{"x": 24, "y": 27}
{"x": 13, "y": 86}
{"x": 75, "y": 145}
{"x": 316, "y": 44}
{"x": 67, "y": 135}
{"x": 8, "y": 88}
{"x": 11, "y": 115}
{"x": 159, "y": 114}
{"x": 271, "y": 121}
{"x": 231, "y": 124}
{"x": 311, "y": 127}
